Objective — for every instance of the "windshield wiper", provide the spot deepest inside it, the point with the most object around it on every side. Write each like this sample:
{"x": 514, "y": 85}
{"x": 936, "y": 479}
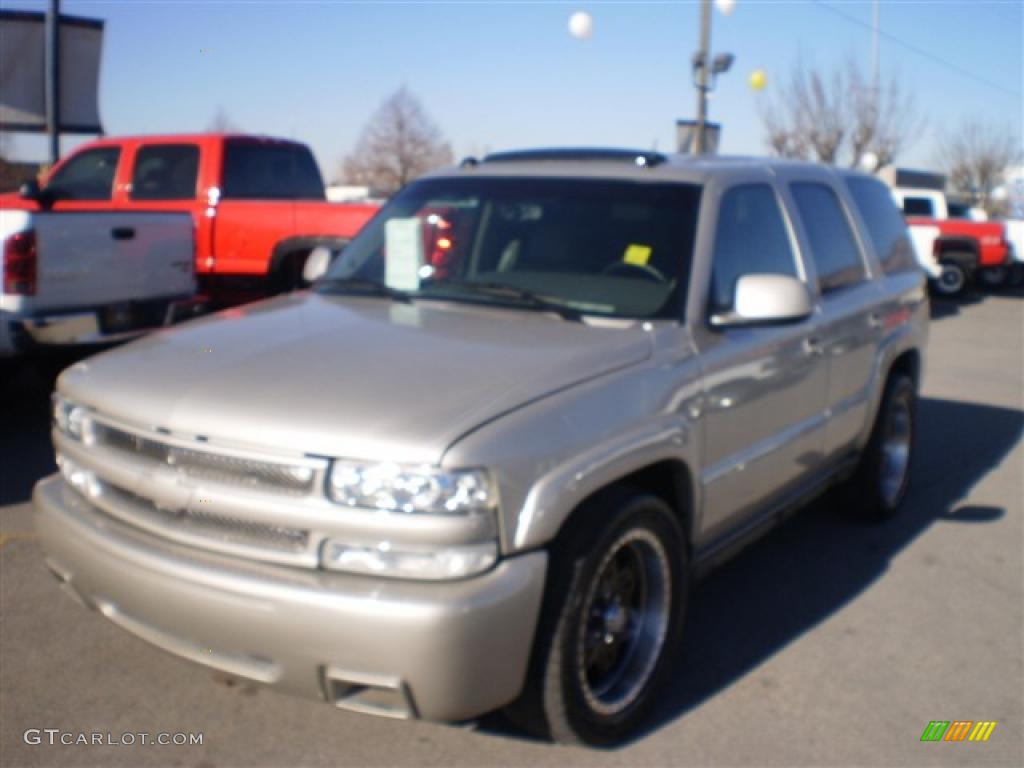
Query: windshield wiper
{"x": 361, "y": 286}
{"x": 529, "y": 298}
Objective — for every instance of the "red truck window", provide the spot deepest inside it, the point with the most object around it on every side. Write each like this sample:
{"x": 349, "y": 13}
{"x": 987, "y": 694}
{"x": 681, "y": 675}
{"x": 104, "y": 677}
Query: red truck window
{"x": 165, "y": 172}
{"x": 89, "y": 175}
{"x": 256, "y": 171}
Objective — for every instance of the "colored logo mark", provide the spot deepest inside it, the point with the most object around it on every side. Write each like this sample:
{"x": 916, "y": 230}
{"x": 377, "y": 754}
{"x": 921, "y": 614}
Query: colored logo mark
{"x": 958, "y": 730}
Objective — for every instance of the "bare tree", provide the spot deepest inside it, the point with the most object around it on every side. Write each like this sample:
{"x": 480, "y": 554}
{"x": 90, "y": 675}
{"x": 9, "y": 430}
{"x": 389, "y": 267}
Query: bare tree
{"x": 839, "y": 118}
{"x": 975, "y": 157}
{"x": 399, "y": 143}
{"x": 222, "y": 123}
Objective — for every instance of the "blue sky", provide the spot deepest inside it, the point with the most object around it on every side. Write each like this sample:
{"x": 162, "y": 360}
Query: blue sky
{"x": 500, "y": 75}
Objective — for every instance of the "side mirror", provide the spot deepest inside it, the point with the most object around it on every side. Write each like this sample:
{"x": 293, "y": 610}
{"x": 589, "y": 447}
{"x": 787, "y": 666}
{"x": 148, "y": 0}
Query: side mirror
{"x": 29, "y": 190}
{"x": 764, "y": 299}
{"x": 316, "y": 265}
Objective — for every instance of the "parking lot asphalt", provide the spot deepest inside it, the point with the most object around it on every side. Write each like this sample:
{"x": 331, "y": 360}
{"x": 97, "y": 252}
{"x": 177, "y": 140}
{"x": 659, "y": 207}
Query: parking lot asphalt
{"x": 830, "y": 642}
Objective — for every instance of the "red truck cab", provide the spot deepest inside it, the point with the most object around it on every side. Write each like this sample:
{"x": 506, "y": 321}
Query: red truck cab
{"x": 257, "y": 203}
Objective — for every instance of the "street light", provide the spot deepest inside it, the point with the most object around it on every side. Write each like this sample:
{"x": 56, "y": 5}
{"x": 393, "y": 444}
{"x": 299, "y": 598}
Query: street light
{"x": 704, "y": 76}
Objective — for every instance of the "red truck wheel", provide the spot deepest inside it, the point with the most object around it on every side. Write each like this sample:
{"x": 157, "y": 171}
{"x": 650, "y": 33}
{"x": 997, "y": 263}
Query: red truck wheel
{"x": 952, "y": 281}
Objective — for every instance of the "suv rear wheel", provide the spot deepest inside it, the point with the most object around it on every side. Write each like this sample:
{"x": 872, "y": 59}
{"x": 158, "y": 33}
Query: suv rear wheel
{"x": 883, "y": 476}
{"x": 612, "y": 620}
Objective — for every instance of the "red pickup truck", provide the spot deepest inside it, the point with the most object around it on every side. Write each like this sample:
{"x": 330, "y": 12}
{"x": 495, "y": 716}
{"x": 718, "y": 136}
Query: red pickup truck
{"x": 959, "y": 250}
{"x": 257, "y": 203}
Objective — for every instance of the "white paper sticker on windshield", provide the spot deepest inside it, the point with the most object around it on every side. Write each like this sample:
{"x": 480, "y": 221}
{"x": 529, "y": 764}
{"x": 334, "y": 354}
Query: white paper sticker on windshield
{"x": 404, "y": 257}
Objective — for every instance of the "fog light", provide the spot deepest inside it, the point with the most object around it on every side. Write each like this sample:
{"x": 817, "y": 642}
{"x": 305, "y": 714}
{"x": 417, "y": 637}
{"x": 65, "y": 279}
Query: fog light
{"x": 79, "y": 478}
{"x": 384, "y": 559}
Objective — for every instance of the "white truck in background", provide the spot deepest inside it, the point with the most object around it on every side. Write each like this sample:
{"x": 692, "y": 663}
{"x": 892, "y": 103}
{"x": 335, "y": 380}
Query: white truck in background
{"x": 1015, "y": 234}
{"x": 85, "y": 277}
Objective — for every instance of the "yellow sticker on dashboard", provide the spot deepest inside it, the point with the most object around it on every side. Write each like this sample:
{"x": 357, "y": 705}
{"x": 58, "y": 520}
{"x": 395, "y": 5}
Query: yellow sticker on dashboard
{"x": 637, "y": 254}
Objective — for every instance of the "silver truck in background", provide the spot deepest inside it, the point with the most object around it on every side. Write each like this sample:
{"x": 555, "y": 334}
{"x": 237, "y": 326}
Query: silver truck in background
{"x": 89, "y": 277}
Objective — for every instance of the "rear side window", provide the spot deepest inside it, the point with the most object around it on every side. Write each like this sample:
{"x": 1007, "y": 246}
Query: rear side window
{"x": 751, "y": 238}
{"x": 89, "y": 175}
{"x": 257, "y": 171}
{"x": 917, "y": 206}
{"x": 885, "y": 226}
{"x": 833, "y": 246}
{"x": 165, "y": 172}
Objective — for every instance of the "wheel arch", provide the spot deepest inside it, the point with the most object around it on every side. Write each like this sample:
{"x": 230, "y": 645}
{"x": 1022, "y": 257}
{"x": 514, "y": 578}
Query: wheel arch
{"x": 956, "y": 247}
{"x": 907, "y": 362}
{"x": 299, "y": 245}
{"x": 668, "y": 479}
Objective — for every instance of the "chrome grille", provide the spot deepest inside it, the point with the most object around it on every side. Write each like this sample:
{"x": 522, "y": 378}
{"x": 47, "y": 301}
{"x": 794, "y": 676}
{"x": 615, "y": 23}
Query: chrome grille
{"x": 292, "y": 479}
{"x": 189, "y": 523}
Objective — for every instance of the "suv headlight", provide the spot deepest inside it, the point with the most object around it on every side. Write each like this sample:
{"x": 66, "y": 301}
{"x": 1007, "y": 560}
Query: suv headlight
{"x": 411, "y": 489}
{"x": 70, "y": 418}
{"x": 405, "y": 562}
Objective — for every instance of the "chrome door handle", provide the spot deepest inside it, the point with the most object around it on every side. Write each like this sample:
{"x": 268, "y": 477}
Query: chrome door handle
{"x": 875, "y": 320}
{"x": 812, "y": 347}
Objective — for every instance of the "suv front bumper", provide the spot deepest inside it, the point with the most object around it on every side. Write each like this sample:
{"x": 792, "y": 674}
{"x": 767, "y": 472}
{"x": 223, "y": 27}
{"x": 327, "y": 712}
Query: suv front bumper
{"x": 439, "y": 651}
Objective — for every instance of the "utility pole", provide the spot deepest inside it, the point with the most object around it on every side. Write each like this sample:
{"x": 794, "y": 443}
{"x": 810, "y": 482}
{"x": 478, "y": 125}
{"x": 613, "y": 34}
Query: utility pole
{"x": 702, "y": 76}
{"x": 53, "y": 79}
{"x": 876, "y": 72}
{"x": 874, "y": 45}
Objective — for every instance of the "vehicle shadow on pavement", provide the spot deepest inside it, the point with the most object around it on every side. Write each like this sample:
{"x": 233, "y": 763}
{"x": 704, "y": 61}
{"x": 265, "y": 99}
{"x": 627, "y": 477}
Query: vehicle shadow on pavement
{"x": 745, "y": 612}
{"x": 26, "y": 453}
{"x": 942, "y": 308}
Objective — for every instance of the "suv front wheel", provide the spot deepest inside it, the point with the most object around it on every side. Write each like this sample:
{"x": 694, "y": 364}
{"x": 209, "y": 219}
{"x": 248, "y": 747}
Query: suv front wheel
{"x": 613, "y": 618}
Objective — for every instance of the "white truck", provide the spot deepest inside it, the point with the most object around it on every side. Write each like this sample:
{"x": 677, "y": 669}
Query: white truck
{"x": 89, "y": 277}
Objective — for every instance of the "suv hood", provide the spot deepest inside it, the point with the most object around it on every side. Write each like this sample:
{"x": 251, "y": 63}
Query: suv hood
{"x": 347, "y": 377}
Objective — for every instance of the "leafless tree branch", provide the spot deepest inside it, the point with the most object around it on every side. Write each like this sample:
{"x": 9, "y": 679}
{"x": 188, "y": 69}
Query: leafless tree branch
{"x": 399, "y": 143}
{"x": 840, "y": 117}
{"x": 975, "y": 157}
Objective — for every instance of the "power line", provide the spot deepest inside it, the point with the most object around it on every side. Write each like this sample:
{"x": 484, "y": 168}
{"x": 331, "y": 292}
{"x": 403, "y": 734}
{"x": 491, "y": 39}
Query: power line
{"x": 919, "y": 51}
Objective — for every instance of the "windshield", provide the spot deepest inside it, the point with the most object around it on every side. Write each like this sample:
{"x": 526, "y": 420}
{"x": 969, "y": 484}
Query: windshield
{"x": 614, "y": 248}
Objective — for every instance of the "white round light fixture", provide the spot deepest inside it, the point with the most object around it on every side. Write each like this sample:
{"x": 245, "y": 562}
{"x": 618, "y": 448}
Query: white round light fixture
{"x": 581, "y": 25}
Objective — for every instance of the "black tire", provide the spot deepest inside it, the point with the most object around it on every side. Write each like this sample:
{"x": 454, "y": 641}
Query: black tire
{"x": 1016, "y": 277}
{"x": 883, "y": 477}
{"x": 994, "y": 278}
{"x": 288, "y": 276}
{"x": 954, "y": 279}
{"x": 611, "y": 623}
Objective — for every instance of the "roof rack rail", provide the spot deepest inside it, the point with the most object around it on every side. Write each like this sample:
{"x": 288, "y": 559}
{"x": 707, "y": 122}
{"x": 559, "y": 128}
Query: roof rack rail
{"x": 640, "y": 157}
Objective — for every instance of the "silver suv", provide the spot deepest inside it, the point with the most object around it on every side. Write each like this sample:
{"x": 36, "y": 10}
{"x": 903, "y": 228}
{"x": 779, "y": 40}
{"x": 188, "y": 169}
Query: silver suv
{"x": 482, "y": 461}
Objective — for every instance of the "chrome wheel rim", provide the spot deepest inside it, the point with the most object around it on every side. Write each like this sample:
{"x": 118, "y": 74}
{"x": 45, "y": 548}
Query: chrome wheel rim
{"x": 951, "y": 280}
{"x": 896, "y": 451}
{"x": 624, "y": 622}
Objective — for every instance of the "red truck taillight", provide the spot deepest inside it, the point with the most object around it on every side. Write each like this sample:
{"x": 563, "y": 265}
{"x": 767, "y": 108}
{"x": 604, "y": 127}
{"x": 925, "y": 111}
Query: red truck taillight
{"x": 20, "y": 264}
